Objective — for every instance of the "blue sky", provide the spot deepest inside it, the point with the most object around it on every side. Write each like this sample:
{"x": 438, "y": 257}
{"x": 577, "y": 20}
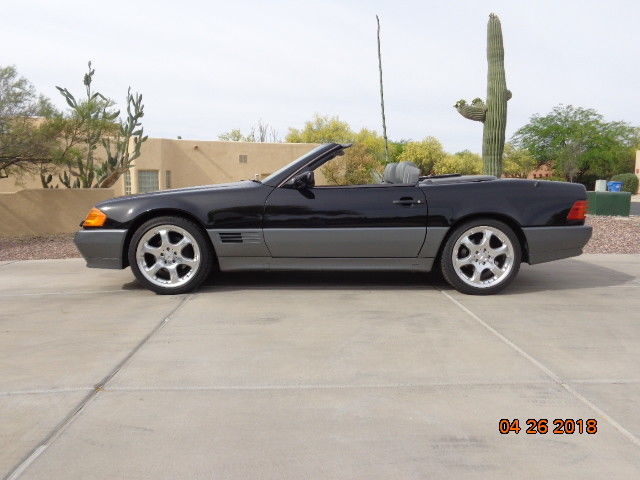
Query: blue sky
{"x": 207, "y": 67}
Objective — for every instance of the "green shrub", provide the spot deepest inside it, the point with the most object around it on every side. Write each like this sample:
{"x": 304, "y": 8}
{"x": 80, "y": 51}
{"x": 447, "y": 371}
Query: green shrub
{"x": 629, "y": 182}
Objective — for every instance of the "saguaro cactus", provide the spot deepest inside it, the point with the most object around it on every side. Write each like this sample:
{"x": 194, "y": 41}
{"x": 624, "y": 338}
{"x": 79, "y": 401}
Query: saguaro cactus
{"x": 493, "y": 113}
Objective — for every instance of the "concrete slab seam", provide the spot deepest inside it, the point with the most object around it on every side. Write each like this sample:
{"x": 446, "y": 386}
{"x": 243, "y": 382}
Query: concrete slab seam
{"x": 604, "y": 381}
{"x": 223, "y": 388}
{"x": 626, "y": 433}
{"x": 19, "y": 469}
{"x": 86, "y": 292}
{"x": 47, "y": 391}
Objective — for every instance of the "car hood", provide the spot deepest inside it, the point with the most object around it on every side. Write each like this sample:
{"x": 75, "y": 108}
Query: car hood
{"x": 177, "y": 191}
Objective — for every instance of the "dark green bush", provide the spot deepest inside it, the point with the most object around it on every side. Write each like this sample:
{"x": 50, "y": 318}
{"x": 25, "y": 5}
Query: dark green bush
{"x": 588, "y": 180}
{"x": 629, "y": 182}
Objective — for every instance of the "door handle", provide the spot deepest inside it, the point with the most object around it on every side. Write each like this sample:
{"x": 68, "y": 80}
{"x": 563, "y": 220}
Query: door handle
{"x": 407, "y": 201}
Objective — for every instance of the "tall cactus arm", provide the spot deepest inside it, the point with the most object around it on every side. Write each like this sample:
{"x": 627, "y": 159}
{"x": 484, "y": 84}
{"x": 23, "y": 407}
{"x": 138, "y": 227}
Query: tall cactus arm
{"x": 477, "y": 111}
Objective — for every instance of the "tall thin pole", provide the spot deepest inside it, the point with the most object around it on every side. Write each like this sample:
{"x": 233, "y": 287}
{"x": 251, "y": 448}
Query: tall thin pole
{"x": 384, "y": 121}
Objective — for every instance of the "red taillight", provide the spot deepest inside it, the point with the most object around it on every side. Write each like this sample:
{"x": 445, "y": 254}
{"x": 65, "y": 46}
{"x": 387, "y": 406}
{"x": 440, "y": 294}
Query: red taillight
{"x": 578, "y": 210}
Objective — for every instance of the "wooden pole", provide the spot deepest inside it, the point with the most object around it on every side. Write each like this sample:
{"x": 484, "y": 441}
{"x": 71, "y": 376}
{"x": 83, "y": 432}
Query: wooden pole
{"x": 384, "y": 122}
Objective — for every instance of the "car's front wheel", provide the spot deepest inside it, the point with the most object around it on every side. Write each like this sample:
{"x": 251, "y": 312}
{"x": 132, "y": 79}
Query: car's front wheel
{"x": 481, "y": 257}
{"x": 170, "y": 255}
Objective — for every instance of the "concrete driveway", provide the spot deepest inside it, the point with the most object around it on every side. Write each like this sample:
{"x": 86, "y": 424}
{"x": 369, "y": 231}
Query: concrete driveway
{"x": 283, "y": 376}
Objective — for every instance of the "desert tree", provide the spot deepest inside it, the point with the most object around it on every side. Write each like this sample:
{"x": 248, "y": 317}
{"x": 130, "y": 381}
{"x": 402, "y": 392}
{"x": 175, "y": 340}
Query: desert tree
{"x": 27, "y": 138}
{"x": 579, "y": 142}
{"x": 259, "y": 133}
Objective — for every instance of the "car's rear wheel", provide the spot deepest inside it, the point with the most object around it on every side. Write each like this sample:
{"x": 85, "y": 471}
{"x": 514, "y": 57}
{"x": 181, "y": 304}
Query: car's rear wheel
{"x": 170, "y": 255}
{"x": 481, "y": 257}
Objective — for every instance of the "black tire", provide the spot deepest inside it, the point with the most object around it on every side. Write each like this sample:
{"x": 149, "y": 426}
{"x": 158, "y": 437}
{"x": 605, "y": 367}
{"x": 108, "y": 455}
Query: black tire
{"x": 484, "y": 260}
{"x": 198, "y": 246}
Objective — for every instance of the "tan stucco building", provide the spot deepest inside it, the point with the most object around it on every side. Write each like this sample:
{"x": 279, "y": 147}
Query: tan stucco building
{"x": 167, "y": 163}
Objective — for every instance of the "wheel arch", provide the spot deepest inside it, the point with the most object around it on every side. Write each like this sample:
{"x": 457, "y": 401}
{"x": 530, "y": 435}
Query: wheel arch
{"x": 161, "y": 212}
{"x": 511, "y": 222}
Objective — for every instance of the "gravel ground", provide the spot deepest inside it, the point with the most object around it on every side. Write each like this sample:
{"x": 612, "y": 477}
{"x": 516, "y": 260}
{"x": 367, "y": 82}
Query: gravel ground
{"x": 31, "y": 248}
{"x": 614, "y": 235}
{"x": 610, "y": 235}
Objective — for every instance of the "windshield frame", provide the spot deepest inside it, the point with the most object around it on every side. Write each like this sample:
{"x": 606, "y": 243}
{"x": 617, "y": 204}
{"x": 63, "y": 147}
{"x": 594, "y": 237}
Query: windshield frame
{"x": 281, "y": 175}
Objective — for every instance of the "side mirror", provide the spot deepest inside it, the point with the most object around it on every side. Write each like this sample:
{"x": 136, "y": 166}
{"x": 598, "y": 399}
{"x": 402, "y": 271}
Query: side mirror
{"x": 303, "y": 181}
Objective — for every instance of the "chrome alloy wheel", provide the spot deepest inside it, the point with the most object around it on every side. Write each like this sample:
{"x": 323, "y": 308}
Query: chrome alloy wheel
{"x": 168, "y": 256}
{"x": 483, "y": 256}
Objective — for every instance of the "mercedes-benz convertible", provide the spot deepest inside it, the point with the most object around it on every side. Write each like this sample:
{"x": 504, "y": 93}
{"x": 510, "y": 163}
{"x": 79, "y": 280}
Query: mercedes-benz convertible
{"x": 476, "y": 229}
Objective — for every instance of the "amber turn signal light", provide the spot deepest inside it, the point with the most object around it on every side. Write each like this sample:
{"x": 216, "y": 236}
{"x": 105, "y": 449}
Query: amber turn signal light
{"x": 95, "y": 218}
{"x": 578, "y": 210}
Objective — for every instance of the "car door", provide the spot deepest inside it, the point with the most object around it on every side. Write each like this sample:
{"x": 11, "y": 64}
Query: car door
{"x": 363, "y": 221}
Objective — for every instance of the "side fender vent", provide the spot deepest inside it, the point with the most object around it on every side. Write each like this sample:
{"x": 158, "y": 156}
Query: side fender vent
{"x": 231, "y": 237}
{"x": 240, "y": 237}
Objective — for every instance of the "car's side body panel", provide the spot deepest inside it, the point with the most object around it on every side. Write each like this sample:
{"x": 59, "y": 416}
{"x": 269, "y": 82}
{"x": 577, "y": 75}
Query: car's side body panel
{"x": 229, "y": 242}
{"x": 433, "y": 241}
{"x": 553, "y": 243}
{"x": 357, "y": 242}
{"x": 346, "y": 207}
{"x": 345, "y": 222}
{"x": 238, "y": 264}
{"x": 529, "y": 203}
{"x": 236, "y": 205}
{"x": 272, "y": 225}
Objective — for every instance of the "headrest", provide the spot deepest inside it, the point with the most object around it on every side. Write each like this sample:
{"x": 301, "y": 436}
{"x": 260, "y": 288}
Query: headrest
{"x": 389, "y": 175}
{"x": 407, "y": 172}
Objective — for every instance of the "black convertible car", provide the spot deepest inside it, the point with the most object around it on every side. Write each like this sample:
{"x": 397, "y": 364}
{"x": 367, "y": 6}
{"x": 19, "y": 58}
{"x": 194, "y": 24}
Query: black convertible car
{"x": 477, "y": 229}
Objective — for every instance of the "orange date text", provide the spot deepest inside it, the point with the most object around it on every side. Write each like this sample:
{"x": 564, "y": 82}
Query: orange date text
{"x": 542, "y": 426}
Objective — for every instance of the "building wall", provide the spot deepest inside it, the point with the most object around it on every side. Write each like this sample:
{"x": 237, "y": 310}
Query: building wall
{"x": 194, "y": 162}
{"x": 44, "y": 211}
{"x": 544, "y": 171}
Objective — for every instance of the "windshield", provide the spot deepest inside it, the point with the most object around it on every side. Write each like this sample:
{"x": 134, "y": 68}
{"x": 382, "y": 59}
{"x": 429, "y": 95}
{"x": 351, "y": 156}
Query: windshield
{"x": 301, "y": 159}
